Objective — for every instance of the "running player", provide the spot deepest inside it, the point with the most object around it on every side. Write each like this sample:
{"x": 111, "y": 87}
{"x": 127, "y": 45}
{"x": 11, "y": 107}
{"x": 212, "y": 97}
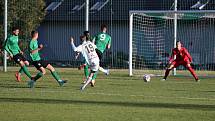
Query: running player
{"x": 40, "y": 64}
{"x": 102, "y": 41}
{"x": 88, "y": 50}
{"x": 182, "y": 58}
{"x": 85, "y": 65}
{"x": 12, "y": 47}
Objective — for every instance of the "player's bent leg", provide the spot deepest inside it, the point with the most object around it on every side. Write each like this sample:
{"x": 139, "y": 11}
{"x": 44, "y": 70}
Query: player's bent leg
{"x": 167, "y": 71}
{"x": 26, "y": 63}
{"x": 18, "y": 75}
{"x": 88, "y": 81}
{"x": 81, "y": 66}
{"x": 19, "y": 59}
{"x": 86, "y": 71}
{"x": 21, "y": 71}
{"x": 53, "y": 72}
{"x": 94, "y": 68}
{"x": 92, "y": 83}
{"x": 21, "y": 63}
{"x": 41, "y": 72}
{"x": 94, "y": 78}
{"x": 25, "y": 70}
{"x": 106, "y": 71}
{"x": 55, "y": 75}
{"x": 50, "y": 67}
{"x": 192, "y": 72}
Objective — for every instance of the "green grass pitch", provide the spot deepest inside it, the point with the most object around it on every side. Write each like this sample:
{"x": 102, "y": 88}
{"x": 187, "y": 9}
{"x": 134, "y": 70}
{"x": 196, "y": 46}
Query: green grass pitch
{"x": 116, "y": 97}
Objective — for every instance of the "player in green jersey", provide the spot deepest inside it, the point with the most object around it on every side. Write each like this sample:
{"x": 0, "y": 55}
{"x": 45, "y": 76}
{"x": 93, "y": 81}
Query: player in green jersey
{"x": 12, "y": 47}
{"x": 102, "y": 42}
{"x": 39, "y": 63}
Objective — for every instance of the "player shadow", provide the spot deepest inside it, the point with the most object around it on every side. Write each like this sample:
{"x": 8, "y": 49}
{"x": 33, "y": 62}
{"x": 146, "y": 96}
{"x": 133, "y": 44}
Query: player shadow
{"x": 118, "y": 84}
{"x": 208, "y": 91}
{"x": 18, "y": 86}
{"x": 12, "y": 86}
{"x": 110, "y": 103}
{"x": 178, "y": 90}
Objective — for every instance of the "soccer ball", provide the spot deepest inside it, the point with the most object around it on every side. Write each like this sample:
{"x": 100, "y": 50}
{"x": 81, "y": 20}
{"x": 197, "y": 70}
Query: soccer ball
{"x": 146, "y": 78}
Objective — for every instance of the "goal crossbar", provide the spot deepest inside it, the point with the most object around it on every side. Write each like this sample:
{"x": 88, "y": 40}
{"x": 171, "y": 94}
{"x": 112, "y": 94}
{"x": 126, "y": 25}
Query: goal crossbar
{"x": 168, "y": 11}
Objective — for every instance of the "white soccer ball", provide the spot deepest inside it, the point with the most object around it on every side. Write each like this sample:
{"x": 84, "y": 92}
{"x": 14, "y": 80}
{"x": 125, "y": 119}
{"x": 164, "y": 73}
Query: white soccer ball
{"x": 146, "y": 78}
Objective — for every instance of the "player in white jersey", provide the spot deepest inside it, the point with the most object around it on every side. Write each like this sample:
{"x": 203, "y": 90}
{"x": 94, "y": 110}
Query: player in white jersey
{"x": 88, "y": 50}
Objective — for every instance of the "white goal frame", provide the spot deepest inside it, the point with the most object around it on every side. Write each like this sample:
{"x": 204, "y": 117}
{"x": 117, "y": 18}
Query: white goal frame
{"x": 132, "y": 12}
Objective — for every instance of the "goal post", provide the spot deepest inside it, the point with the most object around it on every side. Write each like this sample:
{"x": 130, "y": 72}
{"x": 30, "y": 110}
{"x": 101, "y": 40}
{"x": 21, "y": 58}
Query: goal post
{"x": 152, "y": 36}
{"x": 130, "y": 43}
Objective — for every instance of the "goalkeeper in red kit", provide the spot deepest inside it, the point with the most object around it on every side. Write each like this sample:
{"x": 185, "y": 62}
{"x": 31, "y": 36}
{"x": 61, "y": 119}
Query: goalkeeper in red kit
{"x": 182, "y": 58}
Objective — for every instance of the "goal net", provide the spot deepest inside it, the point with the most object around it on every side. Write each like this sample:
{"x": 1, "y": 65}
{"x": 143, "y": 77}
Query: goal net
{"x": 152, "y": 39}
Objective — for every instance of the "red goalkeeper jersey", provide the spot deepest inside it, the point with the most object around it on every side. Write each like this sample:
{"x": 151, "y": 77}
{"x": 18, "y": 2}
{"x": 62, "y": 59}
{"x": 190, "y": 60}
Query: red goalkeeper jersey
{"x": 181, "y": 54}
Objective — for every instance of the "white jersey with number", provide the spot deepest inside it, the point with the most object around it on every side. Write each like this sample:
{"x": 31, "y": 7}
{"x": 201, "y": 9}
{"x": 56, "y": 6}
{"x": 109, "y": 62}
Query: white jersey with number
{"x": 88, "y": 50}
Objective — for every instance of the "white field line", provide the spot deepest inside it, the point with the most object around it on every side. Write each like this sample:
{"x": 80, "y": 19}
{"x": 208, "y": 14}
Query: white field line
{"x": 111, "y": 94}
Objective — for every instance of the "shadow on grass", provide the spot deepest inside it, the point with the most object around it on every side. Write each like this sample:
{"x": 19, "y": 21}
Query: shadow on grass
{"x": 18, "y": 86}
{"x": 178, "y": 90}
{"x": 109, "y": 103}
{"x": 208, "y": 91}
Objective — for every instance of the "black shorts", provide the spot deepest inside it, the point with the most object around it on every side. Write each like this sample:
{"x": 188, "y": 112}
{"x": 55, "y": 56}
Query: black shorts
{"x": 100, "y": 54}
{"x": 91, "y": 71}
{"x": 40, "y": 63}
{"x": 19, "y": 57}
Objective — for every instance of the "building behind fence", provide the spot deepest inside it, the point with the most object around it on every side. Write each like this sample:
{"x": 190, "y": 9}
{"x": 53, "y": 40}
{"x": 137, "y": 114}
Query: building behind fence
{"x": 66, "y": 18}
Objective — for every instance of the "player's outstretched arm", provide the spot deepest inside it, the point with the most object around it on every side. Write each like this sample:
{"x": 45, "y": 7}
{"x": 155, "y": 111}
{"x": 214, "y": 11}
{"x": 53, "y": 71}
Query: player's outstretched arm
{"x": 72, "y": 43}
{"x": 71, "y": 40}
{"x": 76, "y": 49}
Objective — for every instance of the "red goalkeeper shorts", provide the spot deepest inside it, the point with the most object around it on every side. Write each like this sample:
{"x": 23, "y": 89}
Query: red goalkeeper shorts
{"x": 177, "y": 63}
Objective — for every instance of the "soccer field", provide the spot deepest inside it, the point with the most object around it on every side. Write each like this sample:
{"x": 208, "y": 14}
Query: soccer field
{"x": 116, "y": 97}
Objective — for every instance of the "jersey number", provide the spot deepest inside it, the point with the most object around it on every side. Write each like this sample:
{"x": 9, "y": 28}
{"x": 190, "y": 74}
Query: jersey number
{"x": 102, "y": 37}
{"x": 89, "y": 48}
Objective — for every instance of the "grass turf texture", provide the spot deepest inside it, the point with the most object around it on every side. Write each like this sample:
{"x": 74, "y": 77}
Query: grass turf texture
{"x": 116, "y": 97}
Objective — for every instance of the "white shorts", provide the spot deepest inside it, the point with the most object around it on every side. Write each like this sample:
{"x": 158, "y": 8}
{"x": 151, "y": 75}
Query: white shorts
{"x": 94, "y": 64}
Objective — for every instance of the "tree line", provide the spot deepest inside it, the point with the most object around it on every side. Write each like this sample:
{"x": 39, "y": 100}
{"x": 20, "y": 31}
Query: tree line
{"x": 25, "y": 14}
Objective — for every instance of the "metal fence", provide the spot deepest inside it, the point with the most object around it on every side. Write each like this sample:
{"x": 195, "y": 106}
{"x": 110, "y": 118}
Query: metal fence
{"x": 65, "y": 18}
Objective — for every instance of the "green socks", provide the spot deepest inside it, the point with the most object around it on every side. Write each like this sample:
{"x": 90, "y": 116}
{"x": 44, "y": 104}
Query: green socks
{"x": 86, "y": 71}
{"x": 40, "y": 74}
{"x": 55, "y": 75}
{"x": 95, "y": 75}
{"x": 25, "y": 70}
{"x": 21, "y": 71}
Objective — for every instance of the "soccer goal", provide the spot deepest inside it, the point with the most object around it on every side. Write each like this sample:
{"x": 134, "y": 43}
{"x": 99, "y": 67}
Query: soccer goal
{"x": 153, "y": 35}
